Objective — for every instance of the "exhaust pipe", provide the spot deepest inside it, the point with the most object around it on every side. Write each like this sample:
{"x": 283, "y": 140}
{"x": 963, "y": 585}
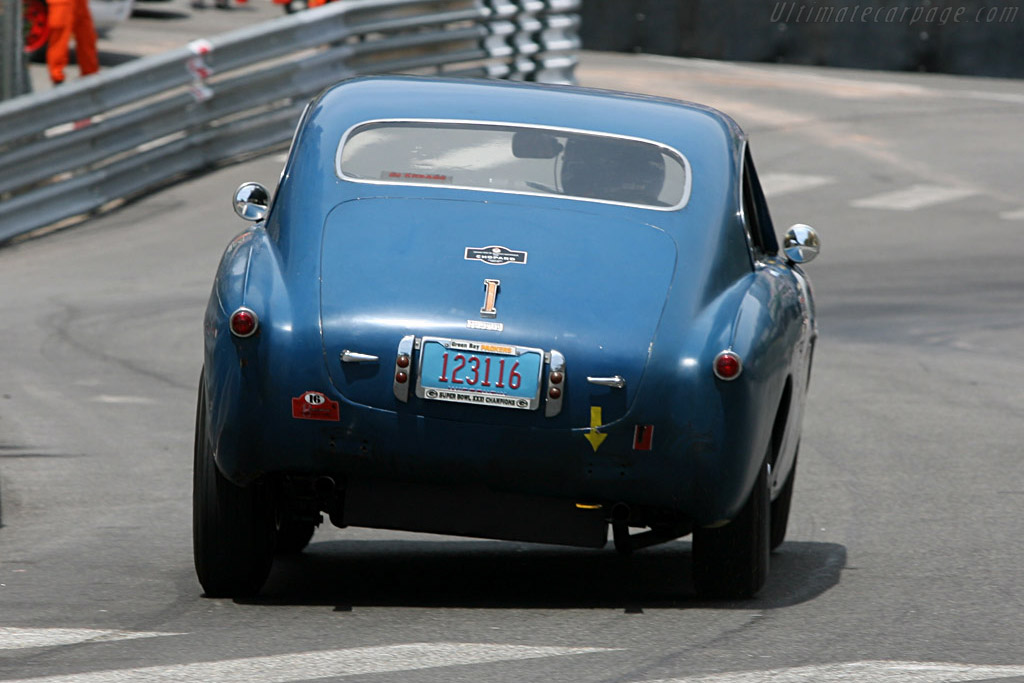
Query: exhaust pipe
{"x": 325, "y": 487}
{"x": 330, "y": 499}
{"x": 620, "y": 529}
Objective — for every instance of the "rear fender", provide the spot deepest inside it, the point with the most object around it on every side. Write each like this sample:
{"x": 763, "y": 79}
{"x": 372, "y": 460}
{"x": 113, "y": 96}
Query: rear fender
{"x": 723, "y": 428}
{"x": 766, "y": 330}
{"x": 240, "y": 373}
{"x": 701, "y": 442}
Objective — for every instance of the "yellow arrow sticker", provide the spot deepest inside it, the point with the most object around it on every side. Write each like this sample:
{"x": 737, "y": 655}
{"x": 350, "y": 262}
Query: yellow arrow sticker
{"x": 593, "y": 436}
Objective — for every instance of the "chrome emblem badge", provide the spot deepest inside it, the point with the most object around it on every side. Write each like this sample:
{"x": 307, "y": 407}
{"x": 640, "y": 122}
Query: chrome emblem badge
{"x": 490, "y": 298}
{"x": 495, "y": 255}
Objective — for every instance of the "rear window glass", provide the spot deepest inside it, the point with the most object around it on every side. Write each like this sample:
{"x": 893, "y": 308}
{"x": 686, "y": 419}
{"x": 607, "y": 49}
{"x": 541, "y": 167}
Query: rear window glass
{"x": 509, "y": 158}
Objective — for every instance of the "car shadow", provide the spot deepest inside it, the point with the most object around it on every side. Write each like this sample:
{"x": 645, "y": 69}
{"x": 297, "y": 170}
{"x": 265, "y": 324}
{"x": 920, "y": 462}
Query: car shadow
{"x": 110, "y": 58}
{"x": 486, "y": 574}
{"x": 153, "y": 13}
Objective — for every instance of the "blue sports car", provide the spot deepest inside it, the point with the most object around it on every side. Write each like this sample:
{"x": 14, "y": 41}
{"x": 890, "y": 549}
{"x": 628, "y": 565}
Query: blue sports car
{"x": 508, "y": 311}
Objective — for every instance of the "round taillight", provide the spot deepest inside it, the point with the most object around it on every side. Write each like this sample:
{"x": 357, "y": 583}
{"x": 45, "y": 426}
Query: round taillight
{"x": 728, "y": 366}
{"x": 244, "y": 322}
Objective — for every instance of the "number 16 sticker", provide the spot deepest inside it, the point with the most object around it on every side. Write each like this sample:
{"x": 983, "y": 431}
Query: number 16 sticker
{"x": 313, "y": 405}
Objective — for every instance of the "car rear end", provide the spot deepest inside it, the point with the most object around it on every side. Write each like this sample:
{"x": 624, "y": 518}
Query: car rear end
{"x": 478, "y": 304}
{"x": 505, "y": 330}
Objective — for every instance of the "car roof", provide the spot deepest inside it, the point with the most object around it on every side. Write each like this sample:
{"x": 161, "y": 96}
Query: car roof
{"x": 710, "y": 141}
{"x": 687, "y": 126}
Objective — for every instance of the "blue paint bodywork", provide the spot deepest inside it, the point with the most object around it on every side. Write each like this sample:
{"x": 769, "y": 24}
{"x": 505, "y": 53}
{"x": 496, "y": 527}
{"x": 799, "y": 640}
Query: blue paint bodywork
{"x": 652, "y": 296}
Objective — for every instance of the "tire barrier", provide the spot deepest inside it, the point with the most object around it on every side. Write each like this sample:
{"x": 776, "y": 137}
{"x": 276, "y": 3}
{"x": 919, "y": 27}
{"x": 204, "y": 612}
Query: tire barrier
{"x": 974, "y": 37}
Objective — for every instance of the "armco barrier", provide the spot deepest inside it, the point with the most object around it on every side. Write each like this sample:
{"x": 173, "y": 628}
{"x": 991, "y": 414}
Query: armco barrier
{"x": 71, "y": 151}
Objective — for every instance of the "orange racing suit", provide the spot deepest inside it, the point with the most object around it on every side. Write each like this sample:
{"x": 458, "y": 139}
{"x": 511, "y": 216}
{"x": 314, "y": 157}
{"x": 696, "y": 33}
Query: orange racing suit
{"x": 67, "y": 17}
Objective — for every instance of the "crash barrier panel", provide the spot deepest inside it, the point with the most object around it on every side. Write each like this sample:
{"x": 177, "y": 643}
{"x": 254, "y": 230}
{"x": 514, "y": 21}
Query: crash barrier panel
{"x": 971, "y": 37}
{"x": 96, "y": 141}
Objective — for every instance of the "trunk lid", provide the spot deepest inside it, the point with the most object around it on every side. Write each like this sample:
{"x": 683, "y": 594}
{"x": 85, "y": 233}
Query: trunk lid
{"x": 586, "y": 285}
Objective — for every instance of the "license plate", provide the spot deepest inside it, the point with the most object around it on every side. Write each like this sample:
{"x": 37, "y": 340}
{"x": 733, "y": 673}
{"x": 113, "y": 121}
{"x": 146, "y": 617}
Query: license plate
{"x": 479, "y": 373}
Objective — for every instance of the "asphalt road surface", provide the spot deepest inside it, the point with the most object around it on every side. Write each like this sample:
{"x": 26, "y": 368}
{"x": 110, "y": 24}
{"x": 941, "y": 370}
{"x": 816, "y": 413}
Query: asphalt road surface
{"x": 906, "y": 550}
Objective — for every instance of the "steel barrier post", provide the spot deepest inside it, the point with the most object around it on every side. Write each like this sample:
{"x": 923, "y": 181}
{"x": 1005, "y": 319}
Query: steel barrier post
{"x": 13, "y": 72}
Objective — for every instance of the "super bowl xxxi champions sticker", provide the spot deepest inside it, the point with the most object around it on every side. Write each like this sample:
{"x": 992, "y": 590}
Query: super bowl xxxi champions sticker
{"x": 495, "y": 255}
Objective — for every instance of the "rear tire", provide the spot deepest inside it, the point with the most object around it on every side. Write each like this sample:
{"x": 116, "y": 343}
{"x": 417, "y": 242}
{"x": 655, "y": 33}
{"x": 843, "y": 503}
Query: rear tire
{"x": 780, "y": 507}
{"x": 731, "y": 562}
{"x": 232, "y": 526}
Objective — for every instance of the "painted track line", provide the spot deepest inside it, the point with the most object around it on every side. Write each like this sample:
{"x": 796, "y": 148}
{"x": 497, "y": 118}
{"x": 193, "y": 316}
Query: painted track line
{"x": 12, "y": 638}
{"x": 123, "y": 400}
{"x": 778, "y": 184}
{"x": 864, "y": 672}
{"x": 914, "y": 197}
{"x": 326, "y": 664}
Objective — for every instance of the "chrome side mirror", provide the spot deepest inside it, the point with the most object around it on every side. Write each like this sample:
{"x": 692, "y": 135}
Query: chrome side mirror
{"x": 251, "y": 201}
{"x": 801, "y": 244}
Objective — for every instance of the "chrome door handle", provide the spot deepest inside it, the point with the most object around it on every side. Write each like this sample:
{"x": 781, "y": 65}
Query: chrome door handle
{"x": 616, "y": 382}
{"x": 356, "y": 357}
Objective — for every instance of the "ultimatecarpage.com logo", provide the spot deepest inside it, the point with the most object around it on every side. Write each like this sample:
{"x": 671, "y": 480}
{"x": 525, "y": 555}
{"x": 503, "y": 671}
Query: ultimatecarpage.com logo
{"x": 924, "y": 13}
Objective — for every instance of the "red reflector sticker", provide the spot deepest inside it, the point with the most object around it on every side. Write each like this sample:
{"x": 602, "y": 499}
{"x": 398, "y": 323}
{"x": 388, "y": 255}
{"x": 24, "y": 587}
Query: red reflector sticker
{"x": 643, "y": 437}
{"x": 313, "y": 405}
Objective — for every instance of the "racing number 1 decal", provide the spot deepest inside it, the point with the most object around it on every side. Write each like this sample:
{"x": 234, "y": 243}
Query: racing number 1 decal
{"x": 313, "y": 405}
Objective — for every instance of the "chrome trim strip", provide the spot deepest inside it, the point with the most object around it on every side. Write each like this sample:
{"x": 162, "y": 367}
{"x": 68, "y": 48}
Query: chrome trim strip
{"x": 405, "y": 347}
{"x": 368, "y": 181}
{"x": 553, "y": 406}
{"x": 616, "y": 382}
{"x": 741, "y": 212}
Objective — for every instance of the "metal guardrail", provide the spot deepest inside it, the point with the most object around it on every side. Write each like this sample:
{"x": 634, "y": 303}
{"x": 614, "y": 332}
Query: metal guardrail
{"x": 72, "y": 151}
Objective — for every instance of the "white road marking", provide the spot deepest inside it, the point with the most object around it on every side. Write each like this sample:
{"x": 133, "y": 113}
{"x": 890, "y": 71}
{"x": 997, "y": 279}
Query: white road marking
{"x": 1014, "y": 98}
{"x": 863, "y": 672}
{"x": 777, "y": 184}
{"x": 800, "y": 78}
{"x": 1017, "y": 215}
{"x": 327, "y": 664}
{"x": 914, "y": 197}
{"x": 125, "y": 400}
{"x": 12, "y": 638}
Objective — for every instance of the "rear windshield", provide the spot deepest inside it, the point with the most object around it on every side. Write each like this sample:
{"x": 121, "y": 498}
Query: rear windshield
{"x": 509, "y": 158}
